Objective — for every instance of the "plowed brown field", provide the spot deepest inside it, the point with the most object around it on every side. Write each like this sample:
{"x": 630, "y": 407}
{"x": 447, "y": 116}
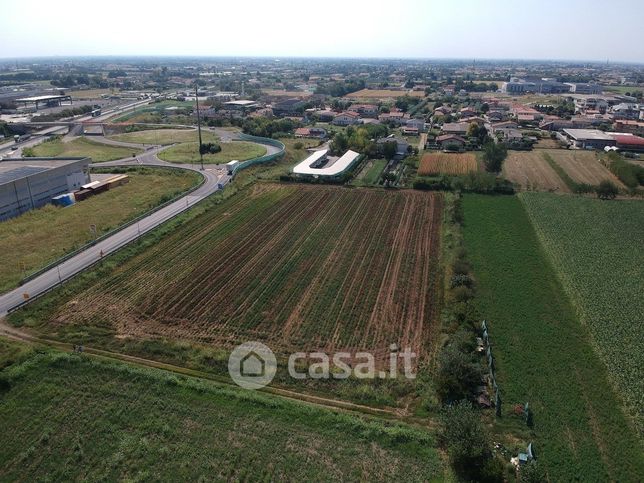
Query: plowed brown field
{"x": 299, "y": 268}
{"x": 446, "y": 163}
{"x": 530, "y": 170}
{"x": 582, "y": 166}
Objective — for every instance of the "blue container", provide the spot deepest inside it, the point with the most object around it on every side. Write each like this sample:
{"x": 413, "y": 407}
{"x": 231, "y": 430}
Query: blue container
{"x": 66, "y": 199}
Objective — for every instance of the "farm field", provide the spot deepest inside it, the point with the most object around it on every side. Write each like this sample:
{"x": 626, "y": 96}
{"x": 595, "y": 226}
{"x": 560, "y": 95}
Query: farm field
{"x": 283, "y": 93}
{"x": 543, "y": 353}
{"x": 384, "y": 94}
{"x": 81, "y": 147}
{"x": 298, "y": 267}
{"x": 596, "y": 249}
{"x": 91, "y": 93}
{"x": 189, "y": 153}
{"x": 72, "y": 418}
{"x": 582, "y": 166}
{"x": 165, "y": 136}
{"x": 446, "y": 163}
{"x": 38, "y": 237}
{"x": 531, "y": 171}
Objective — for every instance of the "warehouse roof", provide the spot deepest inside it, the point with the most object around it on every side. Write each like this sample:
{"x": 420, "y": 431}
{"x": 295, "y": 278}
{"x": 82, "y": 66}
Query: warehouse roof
{"x": 42, "y": 98}
{"x": 15, "y": 169}
{"x": 588, "y": 134}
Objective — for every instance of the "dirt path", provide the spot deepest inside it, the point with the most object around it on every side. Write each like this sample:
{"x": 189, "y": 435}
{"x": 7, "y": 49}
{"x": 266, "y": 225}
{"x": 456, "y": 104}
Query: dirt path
{"x": 328, "y": 403}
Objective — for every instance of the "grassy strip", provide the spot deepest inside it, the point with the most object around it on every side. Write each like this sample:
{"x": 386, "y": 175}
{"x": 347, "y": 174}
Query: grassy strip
{"x": 543, "y": 354}
{"x": 565, "y": 177}
{"x": 189, "y": 153}
{"x": 68, "y": 417}
{"x": 84, "y": 147}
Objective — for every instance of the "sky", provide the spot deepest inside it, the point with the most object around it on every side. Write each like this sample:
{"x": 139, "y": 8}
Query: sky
{"x": 467, "y": 29}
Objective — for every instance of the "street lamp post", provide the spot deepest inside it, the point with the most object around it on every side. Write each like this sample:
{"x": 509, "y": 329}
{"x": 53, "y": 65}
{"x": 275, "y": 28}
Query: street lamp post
{"x": 199, "y": 124}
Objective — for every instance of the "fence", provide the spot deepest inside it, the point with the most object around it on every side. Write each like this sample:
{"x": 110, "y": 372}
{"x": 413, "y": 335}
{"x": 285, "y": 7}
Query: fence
{"x": 262, "y": 159}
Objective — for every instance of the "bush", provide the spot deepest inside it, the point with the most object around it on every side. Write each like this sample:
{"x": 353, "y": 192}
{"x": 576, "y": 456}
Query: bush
{"x": 457, "y": 376}
{"x": 466, "y": 441}
{"x": 209, "y": 148}
{"x": 462, "y": 293}
{"x": 461, "y": 280}
{"x": 461, "y": 267}
{"x": 607, "y": 190}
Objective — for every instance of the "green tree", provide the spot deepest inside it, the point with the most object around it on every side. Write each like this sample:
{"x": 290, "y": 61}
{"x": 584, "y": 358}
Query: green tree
{"x": 457, "y": 376}
{"x": 389, "y": 149}
{"x": 607, "y": 190}
{"x": 465, "y": 439}
{"x": 493, "y": 156}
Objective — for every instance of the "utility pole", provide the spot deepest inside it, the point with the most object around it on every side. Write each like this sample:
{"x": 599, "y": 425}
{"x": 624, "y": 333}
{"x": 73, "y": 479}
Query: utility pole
{"x": 199, "y": 124}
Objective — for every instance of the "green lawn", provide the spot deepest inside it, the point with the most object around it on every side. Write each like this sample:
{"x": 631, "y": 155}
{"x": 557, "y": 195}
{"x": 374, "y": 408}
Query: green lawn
{"x": 40, "y": 236}
{"x": 155, "y": 108}
{"x": 543, "y": 353}
{"x": 189, "y": 153}
{"x": 370, "y": 174}
{"x": 82, "y": 147}
{"x": 165, "y": 136}
{"x": 72, "y": 418}
{"x": 596, "y": 248}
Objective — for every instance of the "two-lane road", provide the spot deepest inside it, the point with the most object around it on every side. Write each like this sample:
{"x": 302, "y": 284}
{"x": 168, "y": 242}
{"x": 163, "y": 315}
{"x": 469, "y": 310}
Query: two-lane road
{"x": 214, "y": 177}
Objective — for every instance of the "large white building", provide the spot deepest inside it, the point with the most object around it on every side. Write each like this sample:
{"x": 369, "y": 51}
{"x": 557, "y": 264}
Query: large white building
{"x": 27, "y": 183}
{"x": 318, "y": 164}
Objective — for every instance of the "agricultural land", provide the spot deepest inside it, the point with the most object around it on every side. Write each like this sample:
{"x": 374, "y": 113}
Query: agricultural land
{"x": 595, "y": 248}
{"x": 446, "y": 163}
{"x": 75, "y": 418}
{"x": 299, "y": 268}
{"x": 544, "y": 355}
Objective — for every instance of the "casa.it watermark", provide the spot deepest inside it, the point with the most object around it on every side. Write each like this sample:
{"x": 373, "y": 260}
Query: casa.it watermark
{"x": 252, "y": 365}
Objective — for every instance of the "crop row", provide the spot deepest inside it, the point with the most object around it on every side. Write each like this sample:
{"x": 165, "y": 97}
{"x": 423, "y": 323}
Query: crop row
{"x": 300, "y": 268}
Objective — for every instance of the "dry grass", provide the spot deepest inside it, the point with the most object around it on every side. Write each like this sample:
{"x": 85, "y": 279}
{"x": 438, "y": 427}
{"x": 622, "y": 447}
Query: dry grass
{"x": 583, "y": 166}
{"x": 90, "y": 93}
{"x": 530, "y": 170}
{"x": 38, "y": 237}
{"x": 281, "y": 93}
{"x": 384, "y": 94}
{"x": 446, "y": 163}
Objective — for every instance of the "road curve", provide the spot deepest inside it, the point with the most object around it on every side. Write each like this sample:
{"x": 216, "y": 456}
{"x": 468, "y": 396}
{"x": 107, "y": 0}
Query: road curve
{"x": 215, "y": 178}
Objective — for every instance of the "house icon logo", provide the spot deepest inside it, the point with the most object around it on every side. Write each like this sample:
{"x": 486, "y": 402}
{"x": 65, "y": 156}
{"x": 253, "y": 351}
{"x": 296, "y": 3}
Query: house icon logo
{"x": 252, "y": 365}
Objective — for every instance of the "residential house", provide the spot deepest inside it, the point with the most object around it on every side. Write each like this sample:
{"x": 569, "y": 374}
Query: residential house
{"x": 310, "y": 132}
{"x": 459, "y": 128}
{"x": 467, "y": 112}
{"x": 364, "y": 110}
{"x": 346, "y": 119}
{"x": 402, "y": 146}
{"x": 419, "y": 124}
{"x": 450, "y": 140}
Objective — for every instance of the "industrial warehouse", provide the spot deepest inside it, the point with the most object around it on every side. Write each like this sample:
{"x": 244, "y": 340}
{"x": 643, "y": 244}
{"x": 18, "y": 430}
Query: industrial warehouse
{"x": 31, "y": 183}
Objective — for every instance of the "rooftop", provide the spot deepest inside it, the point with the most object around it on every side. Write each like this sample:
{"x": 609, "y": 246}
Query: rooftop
{"x": 42, "y": 98}
{"x": 15, "y": 169}
{"x": 334, "y": 169}
{"x": 590, "y": 134}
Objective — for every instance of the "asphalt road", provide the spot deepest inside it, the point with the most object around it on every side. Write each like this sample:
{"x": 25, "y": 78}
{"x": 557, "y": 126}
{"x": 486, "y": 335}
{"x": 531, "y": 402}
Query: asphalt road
{"x": 214, "y": 176}
{"x": 15, "y": 149}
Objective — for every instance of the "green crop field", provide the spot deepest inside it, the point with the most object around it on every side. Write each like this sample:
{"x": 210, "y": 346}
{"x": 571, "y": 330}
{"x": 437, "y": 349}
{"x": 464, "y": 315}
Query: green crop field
{"x": 165, "y": 136}
{"x": 40, "y": 236}
{"x": 189, "y": 153}
{"x": 596, "y": 248}
{"x": 81, "y": 147}
{"x": 72, "y": 418}
{"x": 153, "y": 109}
{"x": 543, "y": 353}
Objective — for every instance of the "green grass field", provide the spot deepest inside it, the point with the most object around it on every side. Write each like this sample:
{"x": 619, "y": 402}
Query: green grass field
{"x": 543, "y": 353}
{"x": 154, "y": 109}
{"x": 595, "y": 247}
{"x": 165, "y": 136}
{"x": 189, "y": 153}
{"x": 370, "y": 174}
{"x": 82, "y": 147}
{"x": 67, "y": 417}
{"x": 40, "y": 236}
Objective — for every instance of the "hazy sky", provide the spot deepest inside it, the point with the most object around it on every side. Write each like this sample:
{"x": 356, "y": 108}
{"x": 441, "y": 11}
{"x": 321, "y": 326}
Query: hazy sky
{"x": 545, "y": 29}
